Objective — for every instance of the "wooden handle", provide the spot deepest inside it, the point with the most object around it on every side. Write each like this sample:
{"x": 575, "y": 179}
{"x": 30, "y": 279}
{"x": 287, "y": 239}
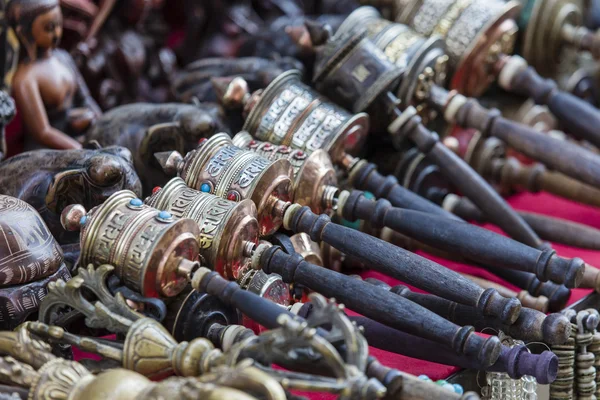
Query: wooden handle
{"x": 579, "y": 117}
{"x": 470, "y": 241}
{"x": 558, "y": 295}
{"x": 559, "y": 155}
{"x": 554, "y": 230}
{"x": 383, "y": 306}
{"x": 531, "y": 325}
{"x": 515, "y": 361}
{"x": 527, "y": 300}
{"x": 259, "y": 309}
{"x": 403, "y": 265}
{"x": 469, "y": 182}
{"x": 364, "y": 176}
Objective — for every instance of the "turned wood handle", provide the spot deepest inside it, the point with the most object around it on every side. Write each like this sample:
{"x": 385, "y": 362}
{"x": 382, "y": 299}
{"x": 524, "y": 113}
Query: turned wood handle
{"x": 470, "y": 183}
{"x": 536, "y": 178}
{"x": 257, "y": 308}
{"x": 558, "y": 295}
{"x": 383, "y": 306}
{"x": 579, "y": 117}
{"x": 551, "y": 229}
{"x": 531, "y": 325}
{"x": 365, "y": 177}
{"x": 527, "y": 300}
{"x": 403, "y": 265}
{"x": 515, "y": 361}
{"x": 563, "y": 231}
{"x": 559, "y": 155}
{"x": 470, "y": 241}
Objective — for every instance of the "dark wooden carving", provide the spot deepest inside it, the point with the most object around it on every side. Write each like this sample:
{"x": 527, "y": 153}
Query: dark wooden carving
{"x": 50, "y": 180}
{"x": 146, "y": 129}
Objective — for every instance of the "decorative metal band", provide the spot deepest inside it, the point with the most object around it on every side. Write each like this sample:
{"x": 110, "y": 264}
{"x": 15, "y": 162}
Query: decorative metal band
{"x": 299, "y": 117}
{"x": 272, "y": 152}
{"x": 471, "y": 23}
{"x": 429, "y": 15}
{"x": 451, "y": 17}
{"x": 397, "y": 50}
{"x": 211, "y": 213}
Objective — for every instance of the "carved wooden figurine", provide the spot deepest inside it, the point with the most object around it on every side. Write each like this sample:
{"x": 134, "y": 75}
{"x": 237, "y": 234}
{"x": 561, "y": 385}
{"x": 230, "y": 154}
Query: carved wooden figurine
{"x": 30, "y": 259}
{"x": 146, "y": 129}
{"x": 70, "y": 176}
{"x": 50, "y": 94}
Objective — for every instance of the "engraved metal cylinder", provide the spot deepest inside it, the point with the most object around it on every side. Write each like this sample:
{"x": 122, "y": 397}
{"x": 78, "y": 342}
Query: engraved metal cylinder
{"x": 475, "y": 31}
{"x": 218, "y": 167}
{"x": 146, "y": 246}
{"x": 313, "y": 173}
{"x": 293, "y": 114}
{"x": 352, "y": 70}
{"x": 542, "y": 23}
{"x": 562, "y": 387}
{"x": 225, "y": 226}
{"x": 423, "y": 60}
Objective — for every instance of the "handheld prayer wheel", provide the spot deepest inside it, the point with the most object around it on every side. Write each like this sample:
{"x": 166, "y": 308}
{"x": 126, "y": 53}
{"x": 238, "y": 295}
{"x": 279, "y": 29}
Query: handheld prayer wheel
{"x": 290, "y": 113}
{"x": 315, "y": 181}
{"x": 226, "y": 228}
{"x": 219, "y": 167}
{"x": 549, "y": 27}
{"x": 153, "y": 252}
{"x": 475, "y": 33}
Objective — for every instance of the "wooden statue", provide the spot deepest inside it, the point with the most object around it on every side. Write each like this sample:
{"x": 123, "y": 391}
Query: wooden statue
{"x": 50, "y": 94}
{"x": 68, "y": 177}
{"x": 146, "y": 129}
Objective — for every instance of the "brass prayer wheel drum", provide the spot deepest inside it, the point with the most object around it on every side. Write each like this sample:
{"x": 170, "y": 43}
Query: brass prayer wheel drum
{"x": 422, "y": 60}
{"x": 226, "y": 227}
{"x": 475, "y": 32}
{"x": 542, "y": 23}
{"x": 28, "y": 251}
{"x": 293, "y": 114}
{"x": 354, "y": 71}
{"x": 152, "y": 251}
{"x": 315, "y": 181}
{"x": 218, "y": 167}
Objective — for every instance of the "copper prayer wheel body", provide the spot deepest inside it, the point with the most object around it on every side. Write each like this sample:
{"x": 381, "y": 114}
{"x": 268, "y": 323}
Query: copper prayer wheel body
{"x": 226, "y": 227}
{"x": 146, "y": 246}
{"x": 315, "y": 180}
{"x": 475, "y": 31}
{"x": 218, "y": 167}
{"x": 293, "y": 114}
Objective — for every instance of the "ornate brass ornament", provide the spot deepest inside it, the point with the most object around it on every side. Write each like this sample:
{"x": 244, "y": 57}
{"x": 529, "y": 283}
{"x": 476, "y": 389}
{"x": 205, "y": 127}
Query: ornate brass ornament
{"x": 151, "y": 351}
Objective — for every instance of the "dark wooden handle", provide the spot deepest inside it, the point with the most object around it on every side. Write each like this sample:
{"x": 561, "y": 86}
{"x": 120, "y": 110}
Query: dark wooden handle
{"x": 551, "y": 229}
{"x": 579, "y": 117}
{"x": 531, "y": 325}
{"x": 469, "y": 182}
{"x": 257, "y": 308}
{"x": 403, "y": 265}
{"x": 365, "y": 177}
{"x": 536, "y": 178}
{"x": 558, "y": 295}
{"x": 470, "y": 241}
{"x": 515, "y": 361}
{"x": 559, "y": 155}
{"x": 383, "y": 306}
